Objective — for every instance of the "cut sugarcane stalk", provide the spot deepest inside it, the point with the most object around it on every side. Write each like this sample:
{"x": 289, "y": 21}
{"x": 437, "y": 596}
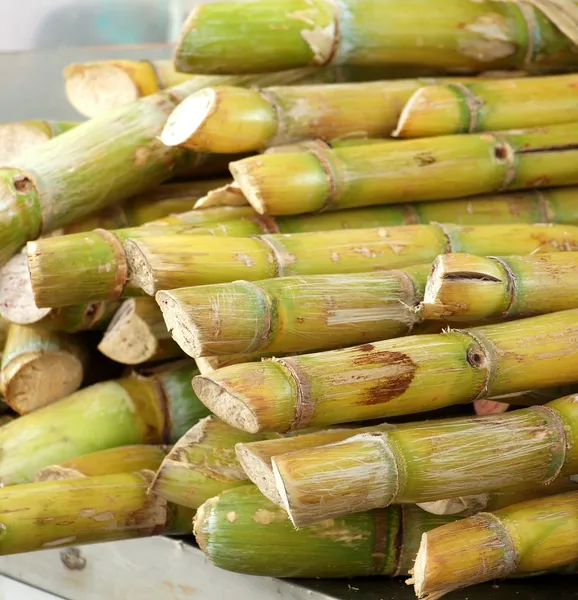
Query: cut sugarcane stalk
{"x": 93, "y": 316}
{"x": 138, "y": 334}
{"x": 118, "y": 152}
{"x": 242, "y": 531}
{"x": 395, "y": 377}
{"x": 54, "y": 514}
{"x": 532, "y": 536}
{"x": 165, "y": 262}
{"x": 132, "y": 410}
{"x": 428, "y": 461}
{"x": 93, "y": 87}
{"x": 124, "y": 459}
{"x": 470, "y": 505}
{"x": 208, "y": 364}
{"x": 202, "y": 464}
{"x": 466, "y": 287}
{"x": 40, "y": 367}
{"x": 18, "y": 138}
{"x": 235, "y": 120}
{"x": 294, "y": 314}
{"x": 255, "y": 456}
{"x": 467, "y": 107}
{"x": 409, "y": 170}
{"x": 283, "y": 34}
{"x": 500, "y": 404}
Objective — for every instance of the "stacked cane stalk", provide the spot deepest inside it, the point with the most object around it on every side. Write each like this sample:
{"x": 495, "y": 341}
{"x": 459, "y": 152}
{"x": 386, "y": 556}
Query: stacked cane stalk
{"x": 293, "y": 284}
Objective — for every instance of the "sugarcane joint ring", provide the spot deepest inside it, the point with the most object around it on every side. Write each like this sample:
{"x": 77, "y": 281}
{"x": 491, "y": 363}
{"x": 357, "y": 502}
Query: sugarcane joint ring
{"x": 476, "y": 358}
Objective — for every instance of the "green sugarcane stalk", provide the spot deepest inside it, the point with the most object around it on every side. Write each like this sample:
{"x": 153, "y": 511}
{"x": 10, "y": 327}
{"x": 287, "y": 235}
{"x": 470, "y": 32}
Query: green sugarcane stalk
{"x": 465, "y": 287}
{"x": 409, "y": 170}
{"x": 466, "y": 107}
{"x": 202, "y": 464}
{"x": 40, "y": 367}
{"x": 242, "y": 531}
{"x": 20, "y": 137}
{"x": 105, "y": 274}
{"x": 132, "y": 410}
{"x": 294, "y": 314}
{"x": 118, "y": 153}
{"x": 124, "y": 459}
{"x": 428, "y": 461}
{"x": 465, "y": 37}
{"x": 55, "y": 514}
{"x": 395, "y": 377}
{"x": 138, "y": 334}
{"x": 174, "y": 261}
{"x": 529, "y": 537}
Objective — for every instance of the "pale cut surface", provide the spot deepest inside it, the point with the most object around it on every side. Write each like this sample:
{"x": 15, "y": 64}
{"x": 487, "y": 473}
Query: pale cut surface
{"x": 17, "y": 138}
{"x": 188, "y": 117}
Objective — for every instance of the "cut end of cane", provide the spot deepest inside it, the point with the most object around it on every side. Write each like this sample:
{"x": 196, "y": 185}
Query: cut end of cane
{"x": 248, "y": 183}
{"x": 225, "y": 405}
{"x": 410, "y": 124}
{"x": 202, "y": 522}
{"x": 17, "y": 138}
{"x": 140, "y": 272}
{"x": 57, "y": 473}
{"x": 490, "y": 407}
{"x": 419, "y": 568}
{"x": 16, "y": 294}
{"x": 94, "y": 87}
{"x": 41, "y": 380}
{"x": 128, "y": 339}
{"x": 464, "y": 505}
{"x": 260, "y": 472}
{"x": 187, "y": 119}
{"x": 228, "y": 195}
{"x": 181, "y": 327}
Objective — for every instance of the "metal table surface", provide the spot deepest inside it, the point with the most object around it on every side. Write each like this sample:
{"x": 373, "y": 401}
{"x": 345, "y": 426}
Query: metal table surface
{"x": 162, "y": 568}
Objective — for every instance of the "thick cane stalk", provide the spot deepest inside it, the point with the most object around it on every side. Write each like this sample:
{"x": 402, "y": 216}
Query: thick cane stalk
{"x": 242, "y": 531}
{"x": 124, "y": 459}
{"x": 294, "y": 314}
{"x": 409, "y": 170}
{"x": 466, "y": 287}
{"x": 464, "y": 37}
{"x": 428, "y": 461}
{"x": 138, "y": 334}
{"x": 40, "y": 367}
{"x": 529, "y": 537}
{"x": 395, "y": 377}
{"x": 466, "y": 107}
{"x": 54, "y": 514}
{"x": 18, "y": 138}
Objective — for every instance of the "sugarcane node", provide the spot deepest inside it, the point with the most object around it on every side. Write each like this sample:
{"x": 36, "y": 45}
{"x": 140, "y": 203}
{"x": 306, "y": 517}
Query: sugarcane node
{"x": 476, "y": 358}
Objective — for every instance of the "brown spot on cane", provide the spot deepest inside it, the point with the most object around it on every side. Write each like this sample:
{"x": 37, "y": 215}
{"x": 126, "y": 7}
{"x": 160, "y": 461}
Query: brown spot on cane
{"x": 366, "y": 347}
{"x": 423, "y": 159}
{"x": 392, "y": 385}
{"x": 22, "y": 184}
{"x": 476, "y": 359}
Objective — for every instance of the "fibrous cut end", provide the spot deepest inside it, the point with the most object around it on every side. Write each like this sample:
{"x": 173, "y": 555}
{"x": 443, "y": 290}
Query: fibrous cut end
{"x": 139, "y": 268}
{"x": 94, "y": 87}
{"x": 187, "y": 118}
{"x": 260, "y": 472}
{"x": 16, "y": 294}
{"x": 17, "y": 138}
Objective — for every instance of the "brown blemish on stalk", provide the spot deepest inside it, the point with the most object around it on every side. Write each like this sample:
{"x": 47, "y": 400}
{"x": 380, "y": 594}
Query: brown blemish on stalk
{"x": 423, "y": 159}
{"x": 392, "y": 386}
{"x": 22, "y": 184}
{"x": 380, "y": 542}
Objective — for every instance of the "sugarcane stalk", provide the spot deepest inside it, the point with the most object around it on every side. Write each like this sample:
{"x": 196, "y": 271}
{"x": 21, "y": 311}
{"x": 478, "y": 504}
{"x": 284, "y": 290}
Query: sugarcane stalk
{"x": 532, "y": 536}
{"x": 255, "y": 456}
{"x": 208, "y": 364}
{"x": 131, "y": 410}
{"x": 234, "y": 120}
{"x": 54, "y": 514}
{"x": 240, "y": 530}
{"x": 294, "y": 314}
{"x": 138, "y": 334}
{"x": 409, "y": 170}
{"x": 466, "y": 287}
{"x": 96, "y": 86}
{"x": 283, "y": 34}
{"x": 118, "y": 153}
{"x": 40, "y": 367}
{"x": 394, "y": 377}
{"x": 467, "y": 107}
{"x": 202, "y": 464}
{"x": 431, "y": 460}
{"x": 500, "y": 404}
{"x": 124, "y": 459}
{"x": 489, "y": 502}
{"x": 19, "y": 137}
{"x": 165, "y": 262}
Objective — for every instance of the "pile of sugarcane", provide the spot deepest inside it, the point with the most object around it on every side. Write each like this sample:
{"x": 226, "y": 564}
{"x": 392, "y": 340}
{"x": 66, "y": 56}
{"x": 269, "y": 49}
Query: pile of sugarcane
{"x": 309, "y": 289}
